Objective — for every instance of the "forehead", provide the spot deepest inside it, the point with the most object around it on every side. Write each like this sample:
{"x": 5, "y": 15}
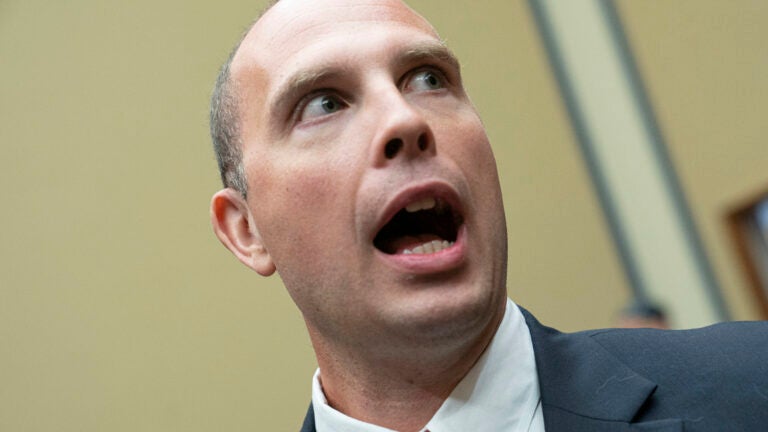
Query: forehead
{"x": 294, "y": 29}
{"x": 303, "y": 15}
{"x": 295, "y": 18}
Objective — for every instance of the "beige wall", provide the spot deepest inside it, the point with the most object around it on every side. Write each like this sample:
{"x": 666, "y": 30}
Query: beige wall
{"x": 120, "y": 311}
{"x": 705, "y": 67}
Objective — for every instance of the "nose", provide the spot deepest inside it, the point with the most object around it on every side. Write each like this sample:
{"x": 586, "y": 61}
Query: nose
{"x": 402, "y": 132}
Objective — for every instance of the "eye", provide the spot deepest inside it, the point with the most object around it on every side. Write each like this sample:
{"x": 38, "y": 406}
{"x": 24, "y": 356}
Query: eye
{"x": 425, "y": 80}
{"x": 321, "y": 105}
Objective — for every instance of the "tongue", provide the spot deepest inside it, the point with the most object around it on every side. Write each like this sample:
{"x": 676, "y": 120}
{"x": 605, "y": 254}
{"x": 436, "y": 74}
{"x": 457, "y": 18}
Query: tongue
{"x": 400, "y": 244}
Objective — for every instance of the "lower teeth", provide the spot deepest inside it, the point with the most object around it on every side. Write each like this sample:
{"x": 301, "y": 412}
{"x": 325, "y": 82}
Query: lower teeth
{"x": 429, "y": 247}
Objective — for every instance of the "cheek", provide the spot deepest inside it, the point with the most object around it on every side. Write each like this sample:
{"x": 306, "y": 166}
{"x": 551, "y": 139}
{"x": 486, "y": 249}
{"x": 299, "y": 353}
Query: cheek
{"x": 303, "y": 201}
{"x": 472, "y": 150}
{"x": 306, "y": 231}
{"x": 475, "y": 159}
{"x": 301, "y": 213}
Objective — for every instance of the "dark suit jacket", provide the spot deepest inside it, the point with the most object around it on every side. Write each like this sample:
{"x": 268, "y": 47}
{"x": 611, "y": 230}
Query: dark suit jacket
{"x": 710, "y": 379}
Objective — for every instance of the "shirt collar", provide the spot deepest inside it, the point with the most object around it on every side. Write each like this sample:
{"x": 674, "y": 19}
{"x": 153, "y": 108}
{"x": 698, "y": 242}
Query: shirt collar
{"x": 501, "y": 389}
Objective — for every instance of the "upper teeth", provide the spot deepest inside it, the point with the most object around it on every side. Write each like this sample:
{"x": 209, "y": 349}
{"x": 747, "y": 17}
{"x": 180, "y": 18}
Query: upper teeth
{"x": 422, "y": 204}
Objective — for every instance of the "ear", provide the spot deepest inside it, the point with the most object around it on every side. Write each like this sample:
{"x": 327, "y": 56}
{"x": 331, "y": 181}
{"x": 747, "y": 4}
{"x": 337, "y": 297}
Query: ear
{"x": 233, "y": 224}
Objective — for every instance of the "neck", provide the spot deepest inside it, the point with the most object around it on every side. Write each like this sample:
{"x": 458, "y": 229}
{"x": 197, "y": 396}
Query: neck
{"x": 401, "y": 390}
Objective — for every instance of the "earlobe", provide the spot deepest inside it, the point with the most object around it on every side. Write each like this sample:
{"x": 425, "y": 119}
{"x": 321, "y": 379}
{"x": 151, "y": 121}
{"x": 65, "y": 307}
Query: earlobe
{"x": 234, "y": 226}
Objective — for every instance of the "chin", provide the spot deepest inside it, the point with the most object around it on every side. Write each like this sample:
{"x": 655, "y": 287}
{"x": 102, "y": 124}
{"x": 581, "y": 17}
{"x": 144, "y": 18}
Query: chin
{"x": 449, "y": 314}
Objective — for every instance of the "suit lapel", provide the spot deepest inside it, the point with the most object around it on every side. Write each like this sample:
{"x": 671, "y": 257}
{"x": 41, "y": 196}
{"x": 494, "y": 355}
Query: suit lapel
{"x": 559, "y": 420}
{"x": 585, "y": 388}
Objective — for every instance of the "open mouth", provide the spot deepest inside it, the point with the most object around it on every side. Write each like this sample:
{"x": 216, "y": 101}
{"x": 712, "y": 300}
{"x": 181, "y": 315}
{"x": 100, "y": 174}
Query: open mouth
{"x": 424, "y": 226}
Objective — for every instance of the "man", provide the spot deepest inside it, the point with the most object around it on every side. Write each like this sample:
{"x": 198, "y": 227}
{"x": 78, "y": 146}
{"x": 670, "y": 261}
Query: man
{"x": 356, "y": 166}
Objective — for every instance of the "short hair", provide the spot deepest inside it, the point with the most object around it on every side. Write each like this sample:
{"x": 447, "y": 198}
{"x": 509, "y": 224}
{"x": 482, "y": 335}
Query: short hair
{"x": 225, "y": 120}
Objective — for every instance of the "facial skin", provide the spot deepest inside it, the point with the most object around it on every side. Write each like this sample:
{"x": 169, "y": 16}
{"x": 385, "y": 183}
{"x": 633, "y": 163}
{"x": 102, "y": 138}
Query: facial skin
{"x": 351, "y": 111}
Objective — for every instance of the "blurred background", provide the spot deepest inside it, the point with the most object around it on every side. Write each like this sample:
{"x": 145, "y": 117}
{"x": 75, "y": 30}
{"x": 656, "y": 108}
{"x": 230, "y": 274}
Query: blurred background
{"x": 119, "y": 309}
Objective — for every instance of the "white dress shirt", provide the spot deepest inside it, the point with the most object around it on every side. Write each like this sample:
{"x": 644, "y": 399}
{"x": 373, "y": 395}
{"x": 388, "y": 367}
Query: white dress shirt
{"x": 499, "y": 394}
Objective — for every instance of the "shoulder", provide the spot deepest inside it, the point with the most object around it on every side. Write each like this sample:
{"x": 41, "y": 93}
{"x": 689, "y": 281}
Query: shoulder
{"x": 738, "y": 342}
{"x": 716, "y": 372}
{"x": 714, "y": 375}
{"x": 723, "y": 359}
{"x": 730, "y": 354}
{"x": 734, "y": 352}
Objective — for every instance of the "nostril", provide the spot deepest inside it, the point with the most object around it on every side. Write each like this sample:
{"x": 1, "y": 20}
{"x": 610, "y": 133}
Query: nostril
{"x": 423, "y": 142}
{"x": 392, "y": 147}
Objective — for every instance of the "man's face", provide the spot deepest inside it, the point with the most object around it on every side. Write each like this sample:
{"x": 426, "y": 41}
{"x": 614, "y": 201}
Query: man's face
{"x": 370, "y": 177}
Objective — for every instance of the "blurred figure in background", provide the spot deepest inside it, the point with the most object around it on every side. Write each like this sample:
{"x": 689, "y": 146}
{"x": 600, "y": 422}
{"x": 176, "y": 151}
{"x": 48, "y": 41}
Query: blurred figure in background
{"x": 642, "y": 313}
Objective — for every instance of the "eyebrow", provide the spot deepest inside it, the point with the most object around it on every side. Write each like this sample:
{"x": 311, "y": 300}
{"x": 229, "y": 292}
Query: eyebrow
{"x": 304, "y": 79}
{"x": 429, "y": 51}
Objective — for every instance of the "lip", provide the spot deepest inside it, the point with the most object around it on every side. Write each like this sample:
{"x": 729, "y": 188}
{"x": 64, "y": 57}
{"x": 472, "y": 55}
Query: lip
{"x": 438, "y": 262}
{"x": 444, "y": 260}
